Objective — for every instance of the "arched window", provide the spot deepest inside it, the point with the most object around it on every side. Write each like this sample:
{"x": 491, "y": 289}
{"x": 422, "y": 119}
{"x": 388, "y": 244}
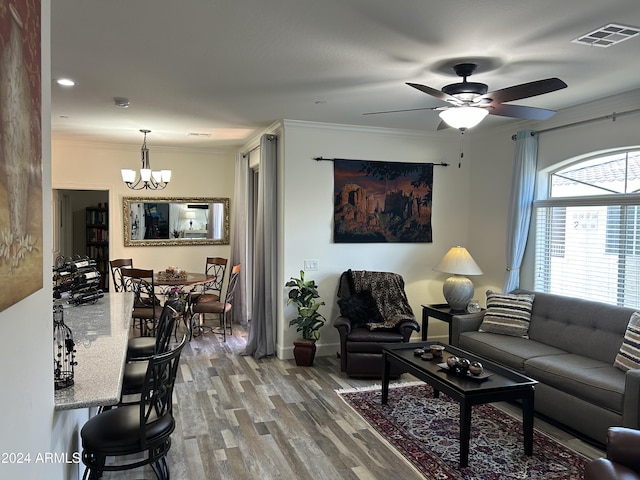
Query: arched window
{"x": 588, "y": 230}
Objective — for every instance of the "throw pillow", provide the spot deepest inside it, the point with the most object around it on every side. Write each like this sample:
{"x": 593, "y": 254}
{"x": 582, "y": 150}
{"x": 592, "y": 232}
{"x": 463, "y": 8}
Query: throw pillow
{"x": 628, "y": 357}
{"x": 508, "y": 314}
{"x": 360, "y": 308}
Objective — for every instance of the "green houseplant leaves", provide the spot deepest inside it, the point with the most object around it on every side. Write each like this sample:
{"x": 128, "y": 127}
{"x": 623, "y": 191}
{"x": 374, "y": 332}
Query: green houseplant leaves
{"x": 304, "y": 294}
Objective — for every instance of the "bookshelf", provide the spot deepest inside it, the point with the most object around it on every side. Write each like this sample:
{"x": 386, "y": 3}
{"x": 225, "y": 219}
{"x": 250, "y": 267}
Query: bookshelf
{"x": 98, "y": 241}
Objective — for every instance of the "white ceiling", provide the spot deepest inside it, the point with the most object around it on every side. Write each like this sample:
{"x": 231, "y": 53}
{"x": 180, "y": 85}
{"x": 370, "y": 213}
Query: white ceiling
{"x": 230, "y": 68}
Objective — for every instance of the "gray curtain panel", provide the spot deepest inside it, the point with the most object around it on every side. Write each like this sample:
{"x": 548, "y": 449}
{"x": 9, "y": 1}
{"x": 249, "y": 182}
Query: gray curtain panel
{"x": 261, "y": 341}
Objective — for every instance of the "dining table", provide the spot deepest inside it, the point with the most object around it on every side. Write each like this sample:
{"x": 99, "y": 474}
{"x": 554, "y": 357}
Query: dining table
{"x": 183, "y": 283}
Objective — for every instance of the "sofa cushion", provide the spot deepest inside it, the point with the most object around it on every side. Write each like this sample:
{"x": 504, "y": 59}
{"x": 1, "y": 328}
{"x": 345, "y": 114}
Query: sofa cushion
{"x": 628, "y": 357}
{"x": 561, "y": 320}
{"x": 504, "y": 349}
{"x": 360, "y": 308}
{"x": 507, "y": 314}
{"x": 364, "y": 340}
{"x": 591, "y": 380}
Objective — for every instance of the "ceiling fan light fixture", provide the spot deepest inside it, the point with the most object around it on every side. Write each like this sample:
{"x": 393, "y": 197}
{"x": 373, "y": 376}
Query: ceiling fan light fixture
{"x": 463, "y": 117}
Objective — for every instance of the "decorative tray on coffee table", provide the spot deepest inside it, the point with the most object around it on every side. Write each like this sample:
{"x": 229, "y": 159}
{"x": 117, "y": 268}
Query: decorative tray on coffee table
{"x": 479, "y": 378}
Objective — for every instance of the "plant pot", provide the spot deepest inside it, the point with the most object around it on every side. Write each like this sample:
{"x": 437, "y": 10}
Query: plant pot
{"x": 304, "y": 351}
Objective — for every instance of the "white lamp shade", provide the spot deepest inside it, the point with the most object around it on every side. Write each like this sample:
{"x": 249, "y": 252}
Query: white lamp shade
{"x": 166, "y": 175}
{"x": 463, "y": 117}
{"x": 459, "y": 262}
{"x": 157, "y": 176}
{"x": 128, "y": 175}
{"x": 145, "y": 174}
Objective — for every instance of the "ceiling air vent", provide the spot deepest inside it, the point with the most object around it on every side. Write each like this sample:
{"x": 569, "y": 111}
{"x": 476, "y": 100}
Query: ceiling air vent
{"x": 608, "y": 35}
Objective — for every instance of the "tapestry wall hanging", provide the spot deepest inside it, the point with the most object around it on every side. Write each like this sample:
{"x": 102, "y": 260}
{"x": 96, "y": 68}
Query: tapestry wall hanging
{"x": 20, "y": 152}
{"x": 379, "y": 202}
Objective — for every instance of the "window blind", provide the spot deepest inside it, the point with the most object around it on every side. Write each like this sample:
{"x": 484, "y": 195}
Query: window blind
{"x": 589, "y": 248}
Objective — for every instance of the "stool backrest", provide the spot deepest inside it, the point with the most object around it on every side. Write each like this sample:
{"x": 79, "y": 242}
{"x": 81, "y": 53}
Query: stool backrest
{"x": 157, "y": 390}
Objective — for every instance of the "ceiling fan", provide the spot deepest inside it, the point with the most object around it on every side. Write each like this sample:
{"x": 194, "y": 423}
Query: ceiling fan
{"x": 470, "y": 102}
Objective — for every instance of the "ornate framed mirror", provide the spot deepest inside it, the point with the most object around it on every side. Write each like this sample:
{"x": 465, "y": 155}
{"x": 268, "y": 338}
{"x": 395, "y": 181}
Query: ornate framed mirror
{"x": 162, "y": 221}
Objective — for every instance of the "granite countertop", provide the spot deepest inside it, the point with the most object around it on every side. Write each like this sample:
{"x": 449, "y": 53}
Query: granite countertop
{"x": 100, "y": 331}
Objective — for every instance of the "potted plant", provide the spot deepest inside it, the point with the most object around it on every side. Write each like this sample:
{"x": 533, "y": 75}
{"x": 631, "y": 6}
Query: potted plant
{"x": 304, "y": 295}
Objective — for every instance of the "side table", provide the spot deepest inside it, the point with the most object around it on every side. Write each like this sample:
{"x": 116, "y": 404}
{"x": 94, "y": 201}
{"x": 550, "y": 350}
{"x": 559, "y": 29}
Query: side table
{"x": 440, "y": 311}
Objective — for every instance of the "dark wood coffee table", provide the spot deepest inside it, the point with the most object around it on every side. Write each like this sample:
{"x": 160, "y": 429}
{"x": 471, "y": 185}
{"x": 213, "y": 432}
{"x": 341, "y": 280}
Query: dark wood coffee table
{"x": 502, "y": 384}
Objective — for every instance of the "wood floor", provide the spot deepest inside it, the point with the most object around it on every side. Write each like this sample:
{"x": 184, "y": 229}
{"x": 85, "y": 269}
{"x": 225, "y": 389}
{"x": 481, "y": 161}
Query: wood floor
{"x": 241, "y": 418}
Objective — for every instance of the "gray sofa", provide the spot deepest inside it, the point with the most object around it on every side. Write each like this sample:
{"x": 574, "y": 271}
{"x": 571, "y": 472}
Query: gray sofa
{"x": 571, "y": 349}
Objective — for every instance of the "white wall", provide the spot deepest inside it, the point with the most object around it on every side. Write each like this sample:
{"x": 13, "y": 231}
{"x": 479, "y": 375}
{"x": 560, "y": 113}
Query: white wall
{"x": 307, "y": 216}
{"x": 196, "y": 173}
{"x": 26, "y": 356}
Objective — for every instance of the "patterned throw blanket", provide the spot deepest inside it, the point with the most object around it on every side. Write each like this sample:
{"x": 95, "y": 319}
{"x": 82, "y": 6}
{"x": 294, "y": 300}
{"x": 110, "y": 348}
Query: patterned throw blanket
{"x": 388, "y": 292}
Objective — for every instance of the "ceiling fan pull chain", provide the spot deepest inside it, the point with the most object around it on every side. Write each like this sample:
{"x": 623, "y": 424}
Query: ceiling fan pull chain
{"x": 461, "y": 147}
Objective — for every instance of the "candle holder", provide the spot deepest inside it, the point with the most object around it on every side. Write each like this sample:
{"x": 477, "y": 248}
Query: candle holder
{"x": 64, "y": 351}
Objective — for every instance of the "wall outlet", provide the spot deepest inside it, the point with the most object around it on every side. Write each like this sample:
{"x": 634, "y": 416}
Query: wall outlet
{"x": 312, "y": 265}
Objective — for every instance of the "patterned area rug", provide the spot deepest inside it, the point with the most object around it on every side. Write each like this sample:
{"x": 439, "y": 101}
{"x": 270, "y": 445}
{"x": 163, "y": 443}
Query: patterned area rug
{"x": 426, "y": 431}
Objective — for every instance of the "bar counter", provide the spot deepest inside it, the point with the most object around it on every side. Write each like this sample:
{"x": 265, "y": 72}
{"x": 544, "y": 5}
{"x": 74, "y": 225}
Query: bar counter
{"x": 100, "y": 331}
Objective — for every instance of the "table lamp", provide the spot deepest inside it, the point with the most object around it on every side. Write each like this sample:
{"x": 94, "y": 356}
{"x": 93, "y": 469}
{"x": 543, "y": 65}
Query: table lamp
{"x": 190, "y": 216}
{"x": 458, "y": 289}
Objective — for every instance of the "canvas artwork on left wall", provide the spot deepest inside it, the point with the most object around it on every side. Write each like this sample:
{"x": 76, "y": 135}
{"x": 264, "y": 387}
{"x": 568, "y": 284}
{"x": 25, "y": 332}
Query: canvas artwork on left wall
{"x": 21, "y": 253}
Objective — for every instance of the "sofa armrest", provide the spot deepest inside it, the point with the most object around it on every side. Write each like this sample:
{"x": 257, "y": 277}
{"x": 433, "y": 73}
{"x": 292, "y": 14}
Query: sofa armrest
{"x": 623, "y": 445}
{"x": 631, "y": 403}
{"x": 469, "y": 322}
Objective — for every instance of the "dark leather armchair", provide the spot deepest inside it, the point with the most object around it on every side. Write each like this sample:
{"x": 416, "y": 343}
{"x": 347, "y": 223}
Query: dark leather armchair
{"x": 623, "y": 457}
{"x": 361, "y": 346}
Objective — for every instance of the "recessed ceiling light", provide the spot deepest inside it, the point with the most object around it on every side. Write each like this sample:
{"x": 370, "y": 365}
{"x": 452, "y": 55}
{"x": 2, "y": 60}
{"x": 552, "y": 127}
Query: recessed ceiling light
{"x": 607, "y": 35}
{"x": 65, "y": 82}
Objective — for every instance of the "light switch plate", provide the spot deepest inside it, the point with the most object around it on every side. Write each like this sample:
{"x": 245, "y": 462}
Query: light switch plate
{"x": 312, "y": 265}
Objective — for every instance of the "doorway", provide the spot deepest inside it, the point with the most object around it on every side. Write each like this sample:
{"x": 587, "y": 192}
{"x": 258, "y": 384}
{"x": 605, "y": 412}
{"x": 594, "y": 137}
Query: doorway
{"x": 81, "y": 227}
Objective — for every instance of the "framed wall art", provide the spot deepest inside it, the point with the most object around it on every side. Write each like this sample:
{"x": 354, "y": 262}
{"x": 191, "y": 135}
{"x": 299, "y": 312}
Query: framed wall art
{"x": 377, "y": 202}
{"x": 20, "y": 152}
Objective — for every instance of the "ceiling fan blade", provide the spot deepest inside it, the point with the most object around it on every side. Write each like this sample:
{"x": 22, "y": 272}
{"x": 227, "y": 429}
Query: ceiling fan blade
{"x": 398, "y": 111}
{"x": 435, "y": 93}
{"x": 525, "y": 90}
{"x": 442, "y": 125}
{"x": 521, "y": 111}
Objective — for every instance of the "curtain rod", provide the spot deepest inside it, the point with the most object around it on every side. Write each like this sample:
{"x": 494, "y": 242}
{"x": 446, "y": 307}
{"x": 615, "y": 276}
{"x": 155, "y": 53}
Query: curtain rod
{"x": 322, "y": 159}
{"x": 612, "y": 117}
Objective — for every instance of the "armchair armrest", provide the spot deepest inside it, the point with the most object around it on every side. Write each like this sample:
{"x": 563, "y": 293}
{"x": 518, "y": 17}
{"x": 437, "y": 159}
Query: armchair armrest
{"x": 631, "y": 402}
{"x": 623, "y": 445}
{"x": 469, "y": 322}
{"x": 343, "y": 324}
{"x": 407, "y": 327}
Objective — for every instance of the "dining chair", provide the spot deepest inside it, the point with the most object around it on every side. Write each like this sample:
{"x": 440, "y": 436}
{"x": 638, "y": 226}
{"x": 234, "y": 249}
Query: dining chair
{"x": 146, "y": 305}
{"x": 141, "y": 428}
{"x": 222, "y": 309}
{"x": 215, "y": 267}
{"x": 116, "y": 271}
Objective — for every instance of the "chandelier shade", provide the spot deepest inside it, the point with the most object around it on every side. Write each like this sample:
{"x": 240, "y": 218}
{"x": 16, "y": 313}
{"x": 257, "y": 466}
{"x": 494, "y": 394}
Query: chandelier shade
{"x": 463, "y": 117}
{"x": 149, "y": 179}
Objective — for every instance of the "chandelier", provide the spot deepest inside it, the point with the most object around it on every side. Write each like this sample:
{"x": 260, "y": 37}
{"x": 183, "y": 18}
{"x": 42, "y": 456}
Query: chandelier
{"x": 151, "y": 180}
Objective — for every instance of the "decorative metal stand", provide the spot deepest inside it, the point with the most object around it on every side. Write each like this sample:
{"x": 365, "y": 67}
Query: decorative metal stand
{"x": 64, "y": 350}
